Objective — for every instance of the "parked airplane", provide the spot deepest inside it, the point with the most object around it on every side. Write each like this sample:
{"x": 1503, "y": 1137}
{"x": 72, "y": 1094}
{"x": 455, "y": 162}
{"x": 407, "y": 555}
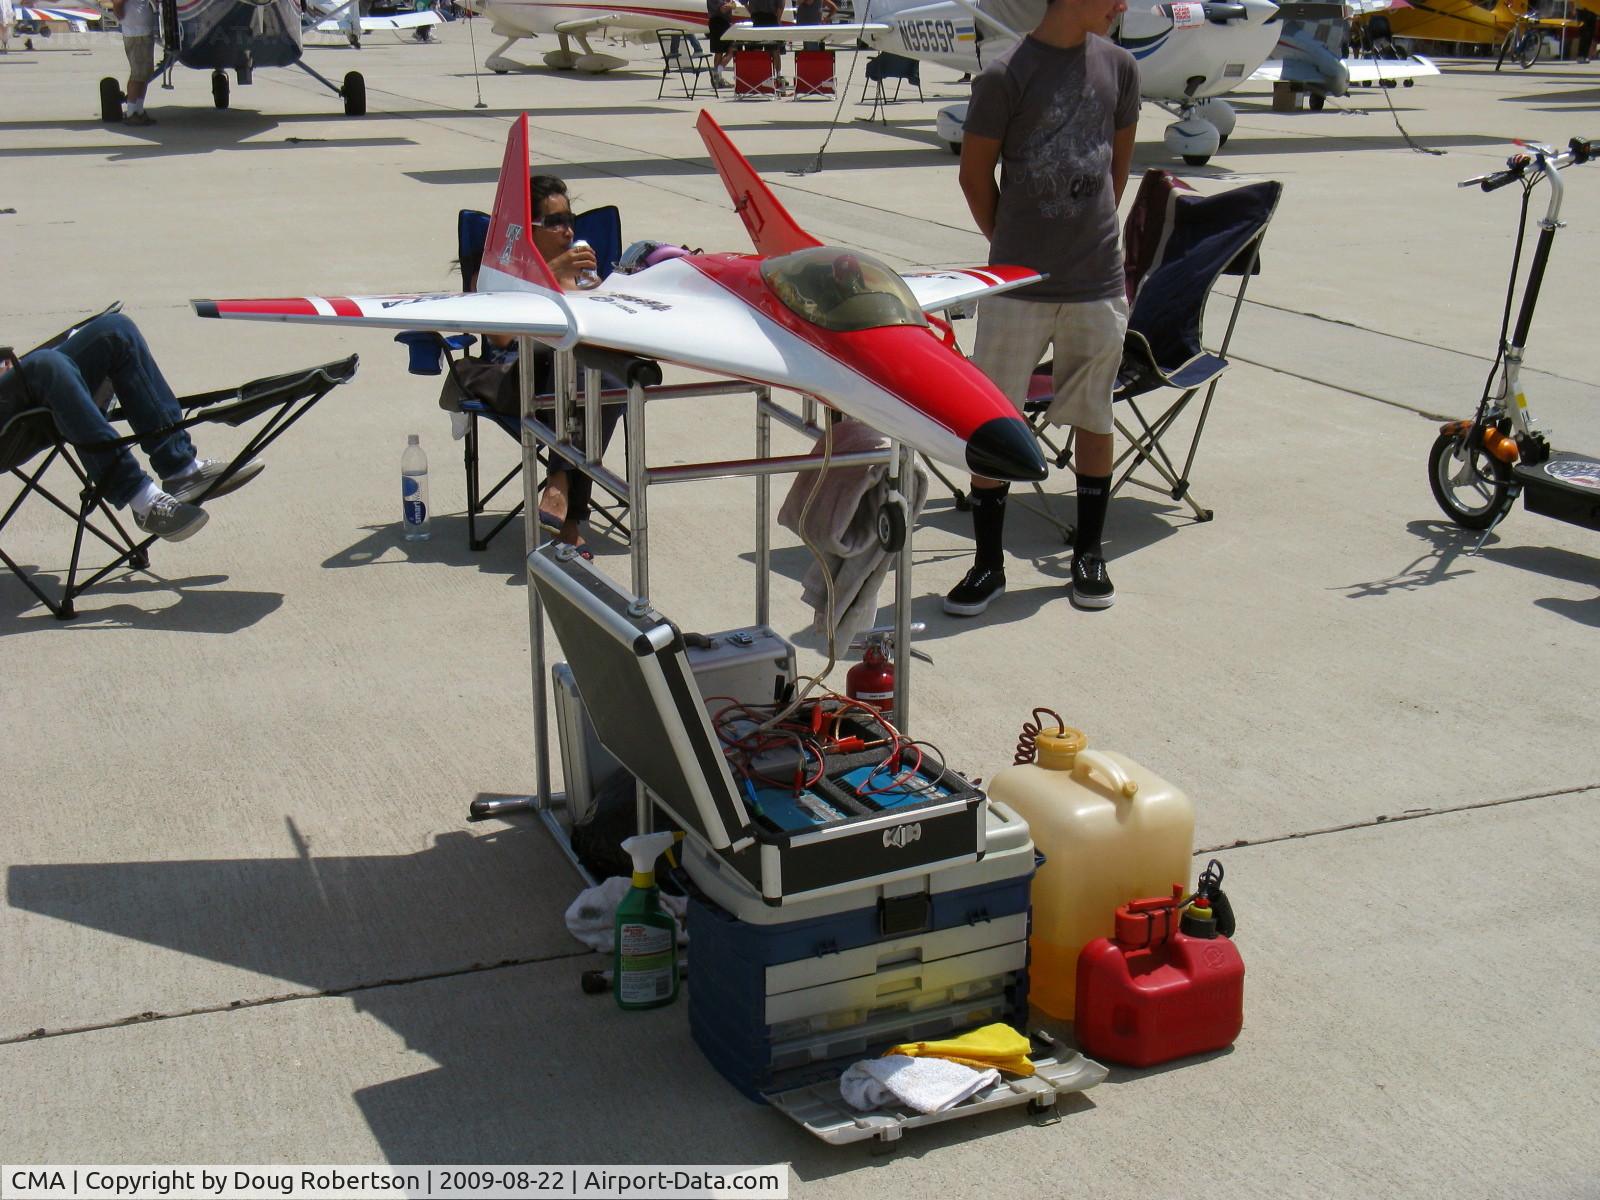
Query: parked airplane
{"x": 346, "y": 18}
{"x": 797, "y": 315}
{"x": 232, "y": 35}
{"x": 1310, "y": 55}
{"x": 1188, "y": 53}
{"x": 1456, "y": 20}
{"x": 573, "y": 20}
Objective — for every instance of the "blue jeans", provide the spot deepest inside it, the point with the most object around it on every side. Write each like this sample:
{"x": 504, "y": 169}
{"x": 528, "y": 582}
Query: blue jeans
{"x": 66, "y": 379}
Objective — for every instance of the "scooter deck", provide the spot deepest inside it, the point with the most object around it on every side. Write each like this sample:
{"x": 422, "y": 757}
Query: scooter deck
{"x": 1565, "y": 486}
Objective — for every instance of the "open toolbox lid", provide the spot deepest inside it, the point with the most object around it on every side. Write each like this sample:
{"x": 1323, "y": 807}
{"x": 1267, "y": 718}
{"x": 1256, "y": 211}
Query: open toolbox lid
{"x": 821, "y": 1110}
{"x": 632, "y": 669}
{"x": 629, "y": 664}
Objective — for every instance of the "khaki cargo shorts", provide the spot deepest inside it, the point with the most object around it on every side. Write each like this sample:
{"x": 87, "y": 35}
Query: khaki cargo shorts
{"x": 1086, "y": 342}
{"x": 141, "y": 53}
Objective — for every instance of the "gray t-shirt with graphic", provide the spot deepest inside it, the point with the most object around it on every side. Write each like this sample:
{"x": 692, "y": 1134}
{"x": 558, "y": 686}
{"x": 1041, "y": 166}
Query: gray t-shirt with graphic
{"x": 1054, "y": 112}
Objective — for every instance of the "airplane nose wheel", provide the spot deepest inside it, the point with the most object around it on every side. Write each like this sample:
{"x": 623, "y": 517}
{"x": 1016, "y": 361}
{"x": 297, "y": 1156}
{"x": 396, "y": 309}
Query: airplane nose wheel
{"x": 355, "y": 94}
{"x": 892, "y": 524}
{"x": 1193, "y": 139}
{"x": 219, "y": 89}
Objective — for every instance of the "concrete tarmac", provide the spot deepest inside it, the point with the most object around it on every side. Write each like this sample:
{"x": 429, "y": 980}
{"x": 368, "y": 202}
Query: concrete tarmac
{"x": 246, "y": 921}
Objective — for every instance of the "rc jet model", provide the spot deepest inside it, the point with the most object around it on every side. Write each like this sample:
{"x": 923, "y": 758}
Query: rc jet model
{"x": 1188, "y": 53}
{"x": 796, "y": 315}
{"x": 232, "y": 35}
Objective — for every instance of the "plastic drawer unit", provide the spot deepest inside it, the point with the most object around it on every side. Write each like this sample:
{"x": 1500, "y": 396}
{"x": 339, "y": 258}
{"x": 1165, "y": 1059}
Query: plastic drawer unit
{"x": 779, "y": 998}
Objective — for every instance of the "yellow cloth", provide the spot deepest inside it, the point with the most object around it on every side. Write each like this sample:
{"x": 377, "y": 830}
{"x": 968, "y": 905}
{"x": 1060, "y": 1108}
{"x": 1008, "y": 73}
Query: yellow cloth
{"x": 992, "y": 1046}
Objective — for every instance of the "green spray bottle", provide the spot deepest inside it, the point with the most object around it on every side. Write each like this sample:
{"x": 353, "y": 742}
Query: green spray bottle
{"x": 644, "y": 969}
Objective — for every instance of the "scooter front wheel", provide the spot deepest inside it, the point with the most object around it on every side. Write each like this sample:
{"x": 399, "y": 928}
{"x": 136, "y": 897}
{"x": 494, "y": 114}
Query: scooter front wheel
{"x": 1470, "y": 484}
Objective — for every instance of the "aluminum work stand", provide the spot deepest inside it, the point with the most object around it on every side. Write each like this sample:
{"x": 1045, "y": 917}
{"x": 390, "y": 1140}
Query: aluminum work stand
{"x": 572, "y": 413}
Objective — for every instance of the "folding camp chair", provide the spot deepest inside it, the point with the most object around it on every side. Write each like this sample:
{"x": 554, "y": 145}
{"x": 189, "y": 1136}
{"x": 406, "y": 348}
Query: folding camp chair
{"x": 683, "y": 55}
{"x": 32, "y": 432}
{"x": 885, "y": 66}
{"x": 433, "y": 353}
{"x": 1175, "y": 247}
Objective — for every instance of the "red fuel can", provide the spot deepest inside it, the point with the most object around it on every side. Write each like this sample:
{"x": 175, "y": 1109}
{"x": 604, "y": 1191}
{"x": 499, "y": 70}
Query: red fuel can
{"x": 1153, "y": 993}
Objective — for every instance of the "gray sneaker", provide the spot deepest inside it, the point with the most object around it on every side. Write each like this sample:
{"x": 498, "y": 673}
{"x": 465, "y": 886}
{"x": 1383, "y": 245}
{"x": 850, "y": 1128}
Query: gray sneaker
{"x": 171, "y": 518}
{"x": 209, "y": 470}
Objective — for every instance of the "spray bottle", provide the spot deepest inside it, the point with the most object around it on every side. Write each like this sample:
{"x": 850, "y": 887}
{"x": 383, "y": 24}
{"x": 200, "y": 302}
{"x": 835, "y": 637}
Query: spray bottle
{"x": 645, "y": 968}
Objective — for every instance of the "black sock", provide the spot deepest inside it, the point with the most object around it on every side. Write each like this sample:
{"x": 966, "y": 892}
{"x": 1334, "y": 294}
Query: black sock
{"x": 1094, "y": 493}
{"x": 988, "y": 525}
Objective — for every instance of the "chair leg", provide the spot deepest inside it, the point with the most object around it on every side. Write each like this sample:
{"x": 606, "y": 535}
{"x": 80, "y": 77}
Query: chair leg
{"x": 469, "y": 464}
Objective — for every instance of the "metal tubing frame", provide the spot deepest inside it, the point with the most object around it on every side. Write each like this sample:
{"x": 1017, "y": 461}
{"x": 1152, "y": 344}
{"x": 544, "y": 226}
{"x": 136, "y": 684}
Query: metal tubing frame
{"x": 762, "y": 467}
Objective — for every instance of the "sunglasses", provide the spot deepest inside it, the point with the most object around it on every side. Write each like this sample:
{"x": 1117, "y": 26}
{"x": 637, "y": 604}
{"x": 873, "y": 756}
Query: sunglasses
{"x": 560, "y": 220}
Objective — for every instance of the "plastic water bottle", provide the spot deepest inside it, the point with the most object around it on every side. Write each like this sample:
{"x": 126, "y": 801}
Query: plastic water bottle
{"x": 414, "y": 490}
{"x": 588, "y": 279}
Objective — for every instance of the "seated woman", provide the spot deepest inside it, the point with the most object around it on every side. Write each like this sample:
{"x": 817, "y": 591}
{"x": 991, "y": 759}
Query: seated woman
{"x": 564, "y": 502}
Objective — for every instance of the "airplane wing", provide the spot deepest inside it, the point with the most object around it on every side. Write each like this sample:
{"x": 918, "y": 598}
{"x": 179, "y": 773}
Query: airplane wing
{"x": 588, "y": 24}
{"x": 537, "y": 314}
{"x": 1371, "y": 70}
{"x": 416, "y": 20}
{"x": 939, "y": 290}
{"x": 849, "y": 33}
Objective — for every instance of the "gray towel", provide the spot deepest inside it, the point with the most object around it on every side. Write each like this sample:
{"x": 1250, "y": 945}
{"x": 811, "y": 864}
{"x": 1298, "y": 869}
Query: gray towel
{"x": 843, "y": 525}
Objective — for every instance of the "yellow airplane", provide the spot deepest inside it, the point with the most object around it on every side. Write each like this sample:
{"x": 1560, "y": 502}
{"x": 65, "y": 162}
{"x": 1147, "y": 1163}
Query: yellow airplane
{"x": 1464, "y": 20}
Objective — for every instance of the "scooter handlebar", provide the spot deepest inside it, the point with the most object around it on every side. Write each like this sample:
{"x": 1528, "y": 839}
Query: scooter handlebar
{"x": 1583, "y": 149}
{"x": 1499, "y": 179}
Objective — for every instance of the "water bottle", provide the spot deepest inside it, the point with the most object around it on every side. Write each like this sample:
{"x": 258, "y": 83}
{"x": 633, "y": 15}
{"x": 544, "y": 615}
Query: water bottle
{"x": 588, "y": 279}
{"x": 414, "y": 490}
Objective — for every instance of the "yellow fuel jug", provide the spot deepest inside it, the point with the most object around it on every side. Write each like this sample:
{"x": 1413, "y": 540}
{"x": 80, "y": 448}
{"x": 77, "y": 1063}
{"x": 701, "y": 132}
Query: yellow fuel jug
{"x": 1111, "y": 832}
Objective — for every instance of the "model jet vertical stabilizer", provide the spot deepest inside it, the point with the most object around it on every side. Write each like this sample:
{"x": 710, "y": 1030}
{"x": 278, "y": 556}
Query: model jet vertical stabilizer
{"x": 511, "y": 261}
{"x": 772, "y": 229}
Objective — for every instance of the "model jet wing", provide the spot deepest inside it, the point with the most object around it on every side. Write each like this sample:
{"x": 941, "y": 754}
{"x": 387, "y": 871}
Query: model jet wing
{"x": 939, "y": 290}
{"x": 534, "y": 313}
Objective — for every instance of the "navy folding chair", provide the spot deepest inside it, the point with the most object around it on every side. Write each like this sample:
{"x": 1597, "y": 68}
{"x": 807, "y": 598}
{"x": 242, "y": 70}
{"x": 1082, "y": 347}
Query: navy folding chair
{"x": 433, "y": 354}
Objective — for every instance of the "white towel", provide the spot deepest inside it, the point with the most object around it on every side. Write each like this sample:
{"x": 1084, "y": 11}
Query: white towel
{"x": 926, "y": 1084}
{"x": 592, "y": 917}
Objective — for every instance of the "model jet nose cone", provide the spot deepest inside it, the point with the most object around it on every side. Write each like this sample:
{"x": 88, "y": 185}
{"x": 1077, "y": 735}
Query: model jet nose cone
{"x": 1005, "y": 448}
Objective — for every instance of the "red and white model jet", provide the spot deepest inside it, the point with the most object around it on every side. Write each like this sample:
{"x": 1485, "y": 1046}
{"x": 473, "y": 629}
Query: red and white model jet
{"x": 796, "y": 315}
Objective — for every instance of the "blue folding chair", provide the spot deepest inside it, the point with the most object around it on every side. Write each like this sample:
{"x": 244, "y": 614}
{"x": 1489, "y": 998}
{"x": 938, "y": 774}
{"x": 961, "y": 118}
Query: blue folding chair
{"x": 433, "y": 353}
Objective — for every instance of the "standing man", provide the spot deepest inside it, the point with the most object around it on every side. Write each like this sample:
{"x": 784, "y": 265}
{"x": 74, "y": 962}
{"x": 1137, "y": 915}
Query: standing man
{"x": 1058, "y": 115}
{"x": 719, "y": 15}
{"x": 138, "y": 21}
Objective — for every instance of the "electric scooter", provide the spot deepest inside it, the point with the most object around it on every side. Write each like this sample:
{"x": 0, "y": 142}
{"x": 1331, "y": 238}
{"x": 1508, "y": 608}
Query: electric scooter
{"x": 1478, "y": 467}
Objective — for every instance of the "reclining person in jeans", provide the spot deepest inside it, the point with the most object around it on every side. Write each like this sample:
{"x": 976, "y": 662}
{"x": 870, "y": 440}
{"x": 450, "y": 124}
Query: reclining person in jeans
{"x": 111, "y": 349}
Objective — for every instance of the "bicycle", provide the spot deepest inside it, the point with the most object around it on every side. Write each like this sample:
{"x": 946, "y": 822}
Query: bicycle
{"x": 1478, "y": 467}
{"x": 1523, "y": 43}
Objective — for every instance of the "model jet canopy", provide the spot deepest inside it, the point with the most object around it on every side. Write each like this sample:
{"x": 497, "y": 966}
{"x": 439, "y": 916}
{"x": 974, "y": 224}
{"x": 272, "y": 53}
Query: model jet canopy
{"x": 841, "y": 290}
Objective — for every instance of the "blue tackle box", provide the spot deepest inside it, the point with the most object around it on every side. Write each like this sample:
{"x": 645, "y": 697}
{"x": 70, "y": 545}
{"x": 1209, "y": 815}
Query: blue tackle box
{"x": 784, "y": 997}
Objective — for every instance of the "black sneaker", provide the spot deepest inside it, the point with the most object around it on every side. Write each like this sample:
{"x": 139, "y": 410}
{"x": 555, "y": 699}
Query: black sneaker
{"x": 1091, "y": 585}
{"x": 972, "y": 595}
{"x": 206, "y": 472}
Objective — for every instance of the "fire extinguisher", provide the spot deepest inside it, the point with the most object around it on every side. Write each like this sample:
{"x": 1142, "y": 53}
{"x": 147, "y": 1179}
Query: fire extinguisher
{"x": 871, "y": 680}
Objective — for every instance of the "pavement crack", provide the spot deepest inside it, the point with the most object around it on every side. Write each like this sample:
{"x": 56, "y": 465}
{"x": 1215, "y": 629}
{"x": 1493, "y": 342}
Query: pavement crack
{"x": 1410, "y": 814}
{"x": 144, "y": 1018}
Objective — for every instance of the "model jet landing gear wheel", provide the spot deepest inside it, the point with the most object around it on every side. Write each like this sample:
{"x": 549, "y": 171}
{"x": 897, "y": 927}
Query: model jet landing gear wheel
{"x": 110, "y": 100}
{"x": 355, "y": 94}
{"x": 1474, "y": 491}
{"x": 1316, "y": 101}
{"x": 891, "y": 527}
{"x": 219, "y": 89}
